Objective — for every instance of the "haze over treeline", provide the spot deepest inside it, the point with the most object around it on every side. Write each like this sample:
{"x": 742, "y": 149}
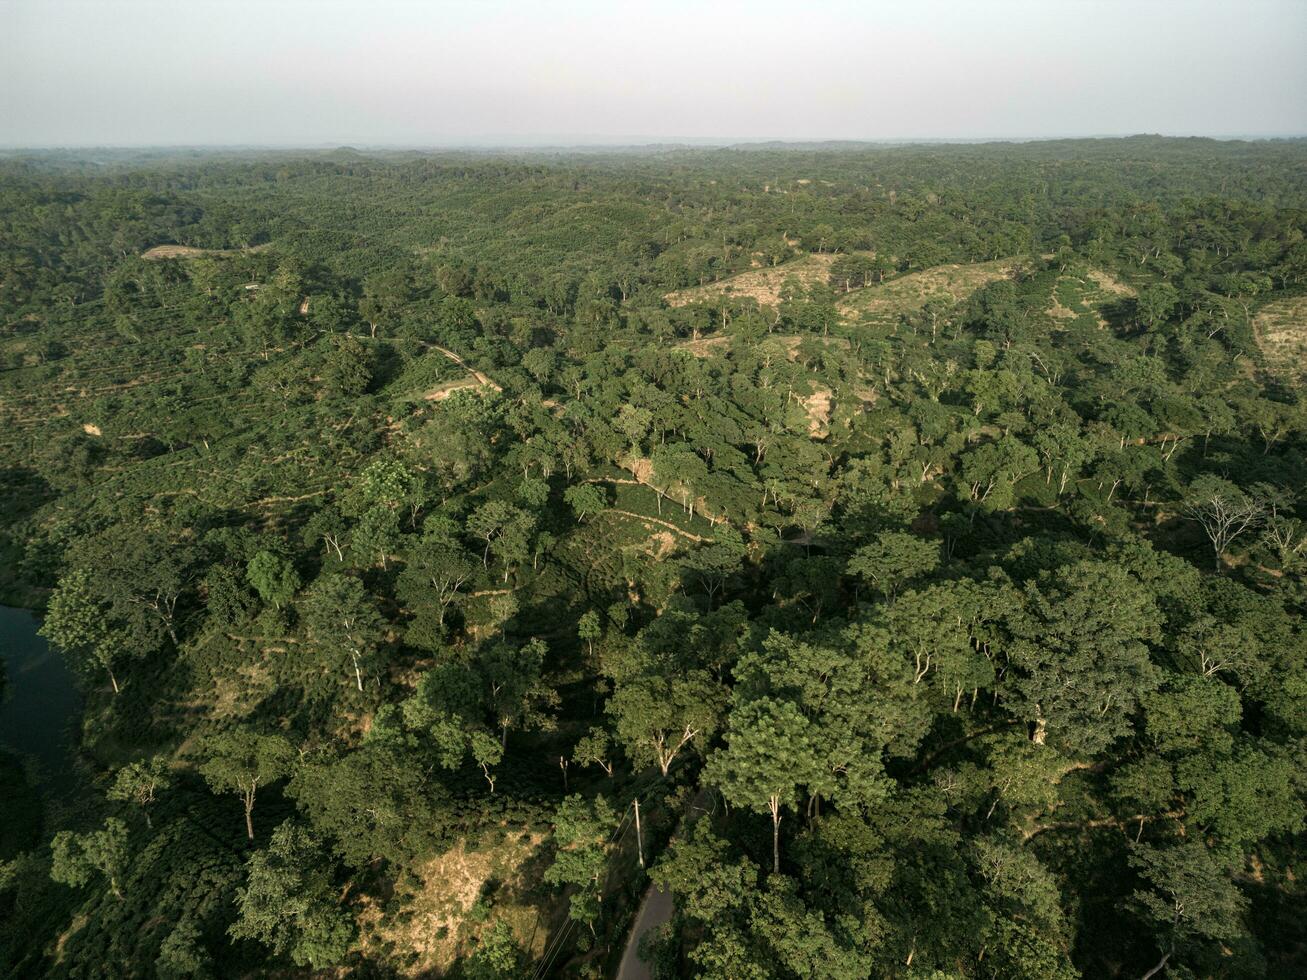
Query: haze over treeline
{"x": 142, "y": 72}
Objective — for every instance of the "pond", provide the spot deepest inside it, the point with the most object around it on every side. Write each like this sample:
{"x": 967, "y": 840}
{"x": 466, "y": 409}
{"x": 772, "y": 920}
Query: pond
{"x": 40, "y": 703}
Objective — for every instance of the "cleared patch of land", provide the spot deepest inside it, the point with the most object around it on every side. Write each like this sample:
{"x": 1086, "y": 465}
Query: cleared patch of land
{"x": 705, "y": 346}
{"x": 1082, "y": 295}
{"x": 475, "y": 378}
{"x": 887, "y": 301}
{"x": 1113, "y": 287}
{"x": 763, "y": 285}
{"x": 1281, "y": 329}
{"x": 432, "y": 926}
{"x": 449, "y": 387}
{"x": 819, "y": 405}
{"x": 187, "y": 252}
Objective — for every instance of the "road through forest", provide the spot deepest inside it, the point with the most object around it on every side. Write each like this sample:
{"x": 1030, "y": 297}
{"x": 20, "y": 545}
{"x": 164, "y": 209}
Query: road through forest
{"x": 657, "y": 905}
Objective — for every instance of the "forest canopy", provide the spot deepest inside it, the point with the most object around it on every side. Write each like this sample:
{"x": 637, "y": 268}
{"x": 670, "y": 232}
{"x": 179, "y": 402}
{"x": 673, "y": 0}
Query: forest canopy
{"x": 896, "y": 553}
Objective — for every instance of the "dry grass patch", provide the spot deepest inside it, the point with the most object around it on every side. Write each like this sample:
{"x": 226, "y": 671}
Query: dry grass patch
{"x": 442, "y": 392}
{"x": 1059, "y": 312}
{"x": 1281, "y": 329}
{"x": 705, "y": 346}
{"x": 432, "y": 927}
{"x": 235, "y": 696}
{"x": 160, "y": 252}
{"x": 660, "y": 545}
{"x": 1113, "y": 287}
{"x": 763, "y": 285}
{"x": 884, "y": 303}
{"x": 819, "y": 405}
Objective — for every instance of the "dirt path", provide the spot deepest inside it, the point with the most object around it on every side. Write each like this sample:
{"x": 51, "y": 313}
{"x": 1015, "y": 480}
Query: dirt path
{"x": 482, "y": 379}
{"x": 660, "y": 523}
{"x": 657, "y": 905}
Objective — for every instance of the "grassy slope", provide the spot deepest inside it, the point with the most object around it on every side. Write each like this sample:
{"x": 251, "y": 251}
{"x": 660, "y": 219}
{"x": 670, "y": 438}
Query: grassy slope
{"x": 762, "y": 284}
{"x": 885, "y": 302}
{"x": 1282, "y": 332}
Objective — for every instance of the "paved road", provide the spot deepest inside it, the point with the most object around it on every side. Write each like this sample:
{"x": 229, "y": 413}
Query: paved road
{"x": 656, "y": 907}
{"x": 654, "y": 911}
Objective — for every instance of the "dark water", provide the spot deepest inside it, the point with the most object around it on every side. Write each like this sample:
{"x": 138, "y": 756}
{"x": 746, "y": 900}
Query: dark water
{"x": 40, "y": 702}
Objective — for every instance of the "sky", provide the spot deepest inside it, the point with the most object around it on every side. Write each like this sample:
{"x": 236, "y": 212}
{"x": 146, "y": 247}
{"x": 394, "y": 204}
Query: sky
{"x": 532, "y": 72}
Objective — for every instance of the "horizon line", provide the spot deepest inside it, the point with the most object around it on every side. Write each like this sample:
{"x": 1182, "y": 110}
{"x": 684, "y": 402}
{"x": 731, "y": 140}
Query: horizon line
{"x": 574, "y": 141}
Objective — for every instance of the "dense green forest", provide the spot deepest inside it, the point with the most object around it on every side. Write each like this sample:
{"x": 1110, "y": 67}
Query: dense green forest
{"x": 918, "y": 535}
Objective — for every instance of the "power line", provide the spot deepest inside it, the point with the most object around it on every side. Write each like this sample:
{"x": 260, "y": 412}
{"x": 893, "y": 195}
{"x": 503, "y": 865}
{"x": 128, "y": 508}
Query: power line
{"x": 554, "y": 948}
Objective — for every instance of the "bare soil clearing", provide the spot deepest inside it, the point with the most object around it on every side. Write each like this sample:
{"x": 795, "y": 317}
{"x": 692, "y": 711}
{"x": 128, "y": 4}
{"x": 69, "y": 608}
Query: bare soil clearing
{"x": 1086, "y": 294}
{"x": 475, "y": 380}
{"x": 1281, "y": 329}
{"x": 1112, "y": 286}
{"x": 763, "y": 285}
{"x": 187, "y": 252}
{"x": 449, "y": 387}
{"x": 705, "y": 346}
{"x": 884, "y": 303}
{"x": 434, "y": 923}
{"x": 818, "y": 405}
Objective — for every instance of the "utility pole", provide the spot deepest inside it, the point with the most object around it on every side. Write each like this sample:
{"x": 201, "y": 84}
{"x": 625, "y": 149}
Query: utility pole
{"x": 639, "y": 841}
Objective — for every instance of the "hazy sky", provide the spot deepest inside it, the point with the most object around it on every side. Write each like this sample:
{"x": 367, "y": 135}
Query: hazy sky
{"x": 422, "y": 72}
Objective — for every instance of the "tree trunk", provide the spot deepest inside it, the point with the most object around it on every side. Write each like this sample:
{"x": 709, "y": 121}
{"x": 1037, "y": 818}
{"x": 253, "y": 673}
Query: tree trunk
{"x": 1040, "y": 733}
{"x": 774, "y": 804}
{"x": 249, "y": 814}
{"x": 1160, "y": 964}
{"x": 112, "y": 680}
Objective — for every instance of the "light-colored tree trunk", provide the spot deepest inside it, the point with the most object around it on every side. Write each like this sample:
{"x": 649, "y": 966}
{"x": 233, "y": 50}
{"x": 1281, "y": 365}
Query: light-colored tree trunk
{"x": 774, "y": 804}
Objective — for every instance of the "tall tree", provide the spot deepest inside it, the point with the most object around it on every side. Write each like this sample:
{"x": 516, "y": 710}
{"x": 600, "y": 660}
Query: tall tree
{"x": 241, "y": 761}
{"x": 343, "y": 619}
{"x": 75, "y": 858}
{"x": 290, "y": 903}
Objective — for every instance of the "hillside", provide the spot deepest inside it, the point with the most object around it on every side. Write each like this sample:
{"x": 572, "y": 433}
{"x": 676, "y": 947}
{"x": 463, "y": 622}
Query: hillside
{"x": 1281, "y": 328}
{"x": 884, "y": 303}
{"x": 952, "y": 624}
{"x": 762, "y": 285}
